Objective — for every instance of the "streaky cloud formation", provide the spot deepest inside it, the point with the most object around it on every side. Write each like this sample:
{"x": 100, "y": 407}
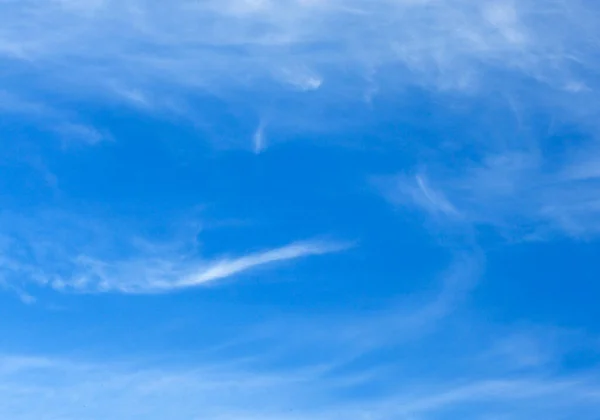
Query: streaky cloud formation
{"x": 229, "y": 267}
{"x": 415, "y": 190}
{"x": 240, "y": 388}
{"x": 145, "y": 47}
{"x": 85, "y": 262}
{"x": 408, "y": 319}
{"x": 511, "y": 191}
{"x": 158, "y": 275}
{"x": 167, "y": 169}
{"x": 259, "y": 140}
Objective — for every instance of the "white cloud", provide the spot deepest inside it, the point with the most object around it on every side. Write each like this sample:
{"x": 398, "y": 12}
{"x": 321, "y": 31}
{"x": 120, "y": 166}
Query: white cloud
{"x": 76, "y": 255}
{"x": 152, "y": 274}
{"x": 159, "y": 59}
{"x": 33, "y": 387}
{"x": 300, "y": 79}
{"x": 145, "y": 44}
{"x": 63, "y": 124}
{"x": 259, "y": 140}
{"x": 415, "y": 317}
{"x": 328, "y": 380}
{"x": 161, "y": 274}
{"x": 415, "y": 190}
{"x": 79, "y": 133}
{"x": 229, "y": 267}
{"x": 523, "y": 194}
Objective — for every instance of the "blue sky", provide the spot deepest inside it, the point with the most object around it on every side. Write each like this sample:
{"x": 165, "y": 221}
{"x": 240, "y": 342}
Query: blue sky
{"x": 299, "y": 209}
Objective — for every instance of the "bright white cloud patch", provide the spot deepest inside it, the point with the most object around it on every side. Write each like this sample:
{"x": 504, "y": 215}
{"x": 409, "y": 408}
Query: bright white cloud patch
{"x": 229, "y": 267}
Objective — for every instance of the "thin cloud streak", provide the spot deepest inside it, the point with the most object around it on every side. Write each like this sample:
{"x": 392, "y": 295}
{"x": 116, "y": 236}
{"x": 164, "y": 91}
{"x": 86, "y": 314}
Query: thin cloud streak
{"x": 512, "y": 191}
{"x": 416, "y": 191}
{"x": 259, "y": 141}
{"x": 149, "y": 275}
{"x": 223, "y": 269}
{"x": 89, "y": 258}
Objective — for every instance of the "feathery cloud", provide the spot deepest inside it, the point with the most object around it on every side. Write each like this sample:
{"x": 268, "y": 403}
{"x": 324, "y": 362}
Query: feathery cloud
{"x": 210, "y": 46}
{"x": 228, "y": 267}
{"x": 153, "y": 274}
{"x": 73, "y": 389}
{"x": 331, "y": 381}
{"x": 512, "y": 191}
{"x": 259, "y": 141}
{"x": 74, "y": 255}
{"x": 161, "y": 275}
{"x": 404, "y": 190}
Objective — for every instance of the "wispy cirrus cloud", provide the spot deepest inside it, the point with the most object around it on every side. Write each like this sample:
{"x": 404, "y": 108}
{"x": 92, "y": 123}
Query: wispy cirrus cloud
{"x": 410, "y": 318}
{"x": 153, "y": 274}
{"x": 116, "y": 48}
{"x": 60, "y": 123}
{"x": 415, "y": 190}
{"x": 480, "y": 374}
{"x": 102, "y": 390}
{"x": 79, "y": 133}
{"x": 251, "y": 386}
{"x": 536, "y": 56}
{"x": 228, "y": 267}
{"x": 81, "y": 257}
{"x": 519, "y": 193}
{"x": 259, "y": 140}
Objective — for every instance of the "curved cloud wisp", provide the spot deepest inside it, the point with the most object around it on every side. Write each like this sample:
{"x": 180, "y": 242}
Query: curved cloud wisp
{"x": 157, "y": 275}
